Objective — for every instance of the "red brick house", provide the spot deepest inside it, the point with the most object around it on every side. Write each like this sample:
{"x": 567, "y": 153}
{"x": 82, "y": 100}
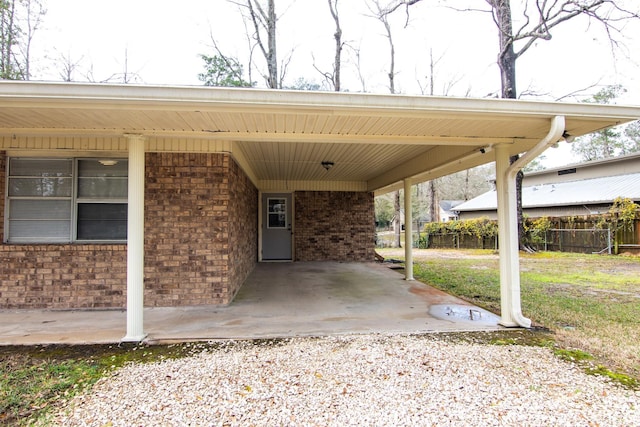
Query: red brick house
{"x": 132, "y": 196}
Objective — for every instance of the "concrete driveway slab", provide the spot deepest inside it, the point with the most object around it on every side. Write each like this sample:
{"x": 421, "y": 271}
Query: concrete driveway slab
{"x": 277, "y": 300}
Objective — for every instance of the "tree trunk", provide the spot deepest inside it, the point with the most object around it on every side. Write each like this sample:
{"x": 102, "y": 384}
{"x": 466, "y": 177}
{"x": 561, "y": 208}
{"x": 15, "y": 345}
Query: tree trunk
{"x": 337, "y": 62}
{"x": 272, "y": 58}
{"x": 434, "y": 212}
{"x": 519, "y": 213}
{"x": 507, "y": 63}
{"x": 392, "y": 64}
{"x": 7, "y": 34}
{"x": 397, "y": 223}
{"x": 261, "y": 21}
{"x": 507, "y": 56}
{"x": 467, "y": 195}
{"x": 382, "y": 17}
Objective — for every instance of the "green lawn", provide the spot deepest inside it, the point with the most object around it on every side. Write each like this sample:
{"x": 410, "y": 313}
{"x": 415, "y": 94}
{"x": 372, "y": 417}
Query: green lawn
{"x": 590, "y": 302}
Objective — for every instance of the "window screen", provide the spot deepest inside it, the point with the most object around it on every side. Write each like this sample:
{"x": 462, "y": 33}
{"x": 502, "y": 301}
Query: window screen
{"x": 96, "y": 180}
{"x": 100, "y": 221}
{"x": 40, "y": 203}
{"x": 61, "y": 200}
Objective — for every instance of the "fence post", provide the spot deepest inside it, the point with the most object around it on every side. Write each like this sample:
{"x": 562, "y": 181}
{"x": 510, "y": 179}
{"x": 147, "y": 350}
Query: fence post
{"x": 560, "y": 241}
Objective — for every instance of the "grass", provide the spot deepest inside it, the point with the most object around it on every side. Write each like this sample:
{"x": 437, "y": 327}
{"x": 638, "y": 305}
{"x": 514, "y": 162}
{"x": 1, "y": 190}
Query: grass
{"x": 36, "y": 379}
{"x": 591, "y": 303}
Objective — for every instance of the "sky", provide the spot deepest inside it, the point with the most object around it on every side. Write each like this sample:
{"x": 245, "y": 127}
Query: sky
{"x": 162, "y": 43}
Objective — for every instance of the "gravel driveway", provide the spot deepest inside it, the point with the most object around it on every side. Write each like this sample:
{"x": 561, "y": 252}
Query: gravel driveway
{"x": 356, "y": 380}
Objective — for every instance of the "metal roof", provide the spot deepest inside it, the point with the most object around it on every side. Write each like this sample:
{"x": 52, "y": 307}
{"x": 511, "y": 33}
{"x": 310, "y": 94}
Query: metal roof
{"x": 375, "y": 141}
{"x": 632, "y": 158}
{"x": 584, "y": 192}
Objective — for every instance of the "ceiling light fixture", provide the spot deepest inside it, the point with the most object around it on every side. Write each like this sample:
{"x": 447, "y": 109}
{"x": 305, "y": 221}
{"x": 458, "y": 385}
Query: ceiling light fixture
{"x": 327, "y": 165}
{"x": 108, "y": 162}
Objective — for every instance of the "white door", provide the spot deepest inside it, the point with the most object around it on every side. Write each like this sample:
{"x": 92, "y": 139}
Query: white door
{"x": 276, "y": 227}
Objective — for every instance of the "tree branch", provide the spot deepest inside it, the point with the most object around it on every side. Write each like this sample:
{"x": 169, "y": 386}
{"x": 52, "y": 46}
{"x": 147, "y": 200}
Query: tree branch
{"x": 231, "y": 66}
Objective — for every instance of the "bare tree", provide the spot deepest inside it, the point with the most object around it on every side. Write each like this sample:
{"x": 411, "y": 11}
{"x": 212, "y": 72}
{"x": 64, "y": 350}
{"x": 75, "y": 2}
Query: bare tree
{"x": 337, "y": 62}
{"x": 125, "y": 76}
{"x": 537, "y": 25}
{"x": 333, "y": 77}
{"x": 429, "y": 89}
{"x": 539, "y": 17}
{"x": 467, "y": 184}
{"x": 434, "y": 206}
{"x": 9, "y": 35}
{"x": 263, "y": 20}
{"x": 432, "y": 190}
{"x": 382, "y": 15}
{"x": 358, "y": 65}
{"x": 34, "y": 13}
{"x": 19, "y": 20}
{"x": 67, "y": 67}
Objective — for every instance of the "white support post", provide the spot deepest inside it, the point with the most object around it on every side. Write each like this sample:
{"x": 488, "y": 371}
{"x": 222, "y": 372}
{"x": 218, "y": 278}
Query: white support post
{"x": 408, "y": 232}
{"x": 135, "y": 241}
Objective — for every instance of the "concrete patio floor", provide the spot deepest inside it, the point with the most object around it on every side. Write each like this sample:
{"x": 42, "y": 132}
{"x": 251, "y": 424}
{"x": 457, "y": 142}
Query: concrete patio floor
{"x": 277, "y": 300}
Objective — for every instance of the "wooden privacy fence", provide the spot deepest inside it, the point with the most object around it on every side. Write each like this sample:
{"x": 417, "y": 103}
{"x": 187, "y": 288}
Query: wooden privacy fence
{"x": 457, "y": 241}
{"x": 563, "y": 234}
{"x": 593, "y": 240}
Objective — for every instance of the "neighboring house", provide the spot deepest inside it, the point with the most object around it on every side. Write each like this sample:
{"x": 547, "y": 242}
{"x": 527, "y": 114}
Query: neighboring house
{"x": 129, "y": 196}
{"x": 447, "y": 211}
{"x": 580, "y": 189}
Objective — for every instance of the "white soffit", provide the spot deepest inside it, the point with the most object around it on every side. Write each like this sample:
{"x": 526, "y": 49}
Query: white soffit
{"x": 284, "y": 135}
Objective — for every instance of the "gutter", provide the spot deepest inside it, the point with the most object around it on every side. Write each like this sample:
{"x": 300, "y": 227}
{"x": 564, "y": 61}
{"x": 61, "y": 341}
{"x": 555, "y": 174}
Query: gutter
{"x": 555, "y": 134}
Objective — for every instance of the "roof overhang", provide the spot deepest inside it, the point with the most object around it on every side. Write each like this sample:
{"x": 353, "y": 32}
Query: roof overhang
{"x": 374, "y": 141}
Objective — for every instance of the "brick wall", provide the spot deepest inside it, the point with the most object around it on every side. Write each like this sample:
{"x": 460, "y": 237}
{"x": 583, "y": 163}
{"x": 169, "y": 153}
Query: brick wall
{"x": 200, "y": 244}
{"x": 3, "y": 186}
{"x": 190, "y": 223}
{"x": 336, "y": 226}
{"x": 63, "y": 276}
{"x": 243, "y": 228}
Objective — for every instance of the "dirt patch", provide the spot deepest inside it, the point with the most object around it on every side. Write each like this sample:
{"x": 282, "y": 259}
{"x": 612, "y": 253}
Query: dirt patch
{"x": 430, "y": 294}
{"x": 419, "y": 254}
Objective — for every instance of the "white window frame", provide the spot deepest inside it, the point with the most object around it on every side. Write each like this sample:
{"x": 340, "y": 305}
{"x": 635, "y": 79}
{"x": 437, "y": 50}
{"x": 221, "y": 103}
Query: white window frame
{"x": 74, "y": 200}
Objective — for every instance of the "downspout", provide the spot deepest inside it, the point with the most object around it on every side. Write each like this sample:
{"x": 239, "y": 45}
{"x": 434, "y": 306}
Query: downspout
{"x": 508, "y": 223}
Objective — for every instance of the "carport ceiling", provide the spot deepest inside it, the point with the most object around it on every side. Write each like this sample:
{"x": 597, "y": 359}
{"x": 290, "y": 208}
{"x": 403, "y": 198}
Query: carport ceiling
{"x": 303, "y": 162}
{"x": 284, "y": 135}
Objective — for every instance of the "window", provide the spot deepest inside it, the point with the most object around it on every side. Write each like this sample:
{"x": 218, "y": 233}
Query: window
{"x": 63, "y": 200}
{"x": 102, "y": 200}
{"x": 277, "y": 213}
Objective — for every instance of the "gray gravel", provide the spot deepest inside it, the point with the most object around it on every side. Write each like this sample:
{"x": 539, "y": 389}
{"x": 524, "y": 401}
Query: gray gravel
{"x": 357, "y": 380}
